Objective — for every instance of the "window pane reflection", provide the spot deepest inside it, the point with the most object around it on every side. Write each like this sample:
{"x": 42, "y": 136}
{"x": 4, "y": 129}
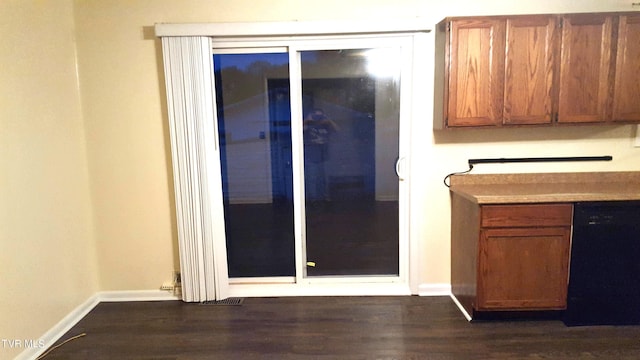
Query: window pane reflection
{"x": 254, "y": 122}
{"x": 350, "y": 103}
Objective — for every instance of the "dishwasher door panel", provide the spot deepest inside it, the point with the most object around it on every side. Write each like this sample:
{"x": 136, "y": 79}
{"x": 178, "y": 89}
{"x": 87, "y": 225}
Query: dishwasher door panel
{"x": 604, "y": 280}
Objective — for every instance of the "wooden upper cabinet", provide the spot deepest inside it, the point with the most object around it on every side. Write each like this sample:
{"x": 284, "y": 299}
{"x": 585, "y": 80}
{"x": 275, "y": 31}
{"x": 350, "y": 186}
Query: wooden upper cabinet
{"x": 585, "y": 68}
{"x": 626, "y": 97}
{"x": 538, "y": 69}
{"x": 501, "y": 71}
{"x": 475, "y": 72}
{"x": 531, "y": 48}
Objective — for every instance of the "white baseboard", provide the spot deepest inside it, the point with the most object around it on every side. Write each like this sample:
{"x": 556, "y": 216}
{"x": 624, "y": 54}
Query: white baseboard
{"x": 69, "y": 321}
{"x": 434, "y": 290}
{"x": 57, "y": 331}
{"x": 136, "y": 295}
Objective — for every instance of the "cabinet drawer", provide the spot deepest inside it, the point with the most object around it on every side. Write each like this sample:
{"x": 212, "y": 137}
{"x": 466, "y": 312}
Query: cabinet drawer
{"x": 530, "y": 215}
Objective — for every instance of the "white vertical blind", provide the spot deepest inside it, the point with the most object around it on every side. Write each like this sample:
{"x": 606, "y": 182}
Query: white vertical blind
{"x": 188, "y": 67}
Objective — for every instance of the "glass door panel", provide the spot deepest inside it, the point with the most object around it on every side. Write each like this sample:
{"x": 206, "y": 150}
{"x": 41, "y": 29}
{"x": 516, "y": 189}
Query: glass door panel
{"x": 254, "y": 126}
{"x": 351, "y": 112}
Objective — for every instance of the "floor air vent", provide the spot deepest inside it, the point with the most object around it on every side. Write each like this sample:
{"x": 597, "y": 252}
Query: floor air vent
{"x": 227, "y": 301}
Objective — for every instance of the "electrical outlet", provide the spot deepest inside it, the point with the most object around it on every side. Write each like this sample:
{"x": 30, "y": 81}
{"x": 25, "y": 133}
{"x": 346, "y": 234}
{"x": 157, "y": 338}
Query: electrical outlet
{"x": 173, "y": 285}
{"x": 167, "y": 286}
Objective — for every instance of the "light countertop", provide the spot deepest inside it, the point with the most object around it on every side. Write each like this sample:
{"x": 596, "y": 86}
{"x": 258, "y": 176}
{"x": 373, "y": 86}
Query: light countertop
{"x": 547, "y": 187}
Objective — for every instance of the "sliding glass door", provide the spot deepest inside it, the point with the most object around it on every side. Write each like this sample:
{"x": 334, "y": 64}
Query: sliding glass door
{"x": 254, "y": 128}
{"x": 310, "y": 151}
{"x": 350, "y": 103}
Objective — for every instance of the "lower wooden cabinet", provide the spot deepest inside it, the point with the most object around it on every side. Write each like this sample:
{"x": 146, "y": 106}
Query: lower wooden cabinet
{"x": 523, "y": 268}
{"x": 510, "y": 257}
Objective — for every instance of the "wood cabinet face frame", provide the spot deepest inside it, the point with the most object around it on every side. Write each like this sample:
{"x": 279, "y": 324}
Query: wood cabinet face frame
{"x": 585, "y": 69}
{"x": 574, "y": 68}
{"x": 475, "y": 72}
{"x": 626, "y": 96}
{"x": 530, "y": 70}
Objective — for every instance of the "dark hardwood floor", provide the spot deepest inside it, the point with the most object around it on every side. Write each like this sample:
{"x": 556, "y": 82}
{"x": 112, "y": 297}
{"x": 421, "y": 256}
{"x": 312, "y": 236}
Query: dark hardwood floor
{"x": 331, "y": 328}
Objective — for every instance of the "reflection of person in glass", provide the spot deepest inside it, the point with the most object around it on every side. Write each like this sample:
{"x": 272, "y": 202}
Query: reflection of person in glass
{"x": 317, "y": 132}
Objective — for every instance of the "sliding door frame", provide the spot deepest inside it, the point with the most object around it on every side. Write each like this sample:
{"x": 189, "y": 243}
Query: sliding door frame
{"x": 349, "y": 43}
{"x": 326, "y": 36}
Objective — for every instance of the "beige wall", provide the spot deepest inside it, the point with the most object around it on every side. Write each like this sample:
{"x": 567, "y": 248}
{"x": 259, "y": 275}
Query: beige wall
{"x": 54, "y": 205}
{"x": 47, "y": 252}
{"x": 125, "y": 117}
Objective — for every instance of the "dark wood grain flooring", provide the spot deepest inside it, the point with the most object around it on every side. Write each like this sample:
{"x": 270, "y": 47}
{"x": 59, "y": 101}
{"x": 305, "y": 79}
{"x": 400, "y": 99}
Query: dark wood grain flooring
{"x": 331, "y": 328}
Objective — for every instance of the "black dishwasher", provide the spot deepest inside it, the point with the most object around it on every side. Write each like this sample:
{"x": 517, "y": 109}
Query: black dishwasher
{"x": 604, "y": 278}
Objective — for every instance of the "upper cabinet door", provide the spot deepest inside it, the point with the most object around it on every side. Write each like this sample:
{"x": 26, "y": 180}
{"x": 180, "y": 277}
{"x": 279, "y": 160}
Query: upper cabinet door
{"x": 476, "y": 70}
{"x": 626, "y": 98}
{"x": 531, "y": 47}
{"x": 585, "y": 69}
